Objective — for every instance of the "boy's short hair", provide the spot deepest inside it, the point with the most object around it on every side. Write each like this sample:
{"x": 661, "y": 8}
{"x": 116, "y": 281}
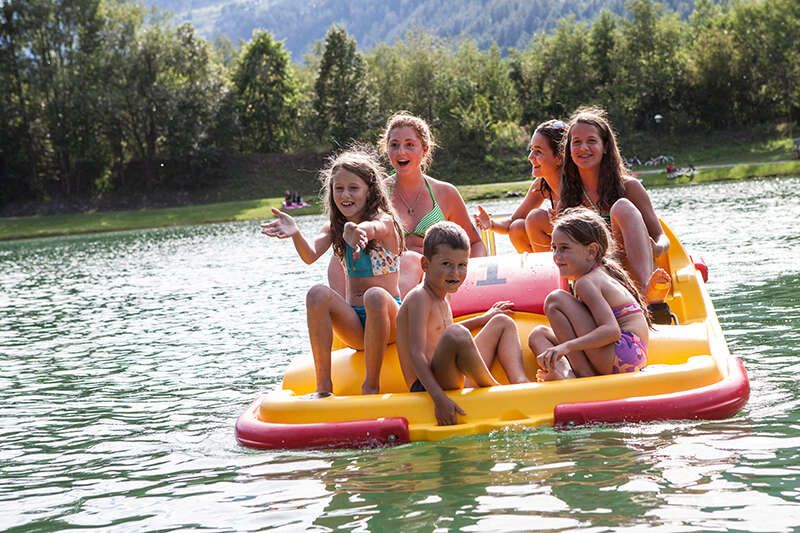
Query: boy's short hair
{"x": 444, "y": 232}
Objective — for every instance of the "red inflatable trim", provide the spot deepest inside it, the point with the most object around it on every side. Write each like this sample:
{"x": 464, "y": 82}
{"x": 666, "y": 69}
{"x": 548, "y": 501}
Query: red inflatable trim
{"x": 700, "y": 264}
{"x": 254, "y": 433}
{"x": 712, "y": 402}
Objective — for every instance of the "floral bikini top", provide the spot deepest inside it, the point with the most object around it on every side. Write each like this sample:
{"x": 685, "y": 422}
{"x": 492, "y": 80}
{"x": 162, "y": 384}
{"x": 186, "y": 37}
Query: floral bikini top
{"x": 377, "y": 261}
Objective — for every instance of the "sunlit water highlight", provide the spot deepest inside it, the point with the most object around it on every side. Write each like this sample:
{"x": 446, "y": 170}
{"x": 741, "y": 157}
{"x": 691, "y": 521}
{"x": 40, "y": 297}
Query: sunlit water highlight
{"x": 125, "y": 359}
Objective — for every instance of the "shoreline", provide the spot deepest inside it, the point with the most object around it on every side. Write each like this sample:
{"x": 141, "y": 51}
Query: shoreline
{"x": 42, "y": 226}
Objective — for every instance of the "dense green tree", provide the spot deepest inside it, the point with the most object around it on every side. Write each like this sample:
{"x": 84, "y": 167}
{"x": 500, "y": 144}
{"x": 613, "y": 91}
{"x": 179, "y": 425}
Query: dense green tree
{"x": 341, "y": 100}
{"x": 266, "y": 95}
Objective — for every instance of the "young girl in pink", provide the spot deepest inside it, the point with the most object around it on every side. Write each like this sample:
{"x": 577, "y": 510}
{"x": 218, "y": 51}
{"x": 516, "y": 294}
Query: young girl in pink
{"x": 368, "y": 240}
{"x": 603, "y": 327}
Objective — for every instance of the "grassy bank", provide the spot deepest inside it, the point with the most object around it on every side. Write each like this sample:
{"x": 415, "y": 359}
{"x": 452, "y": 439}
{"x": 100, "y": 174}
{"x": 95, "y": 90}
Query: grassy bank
{"x": 53, "y": 225}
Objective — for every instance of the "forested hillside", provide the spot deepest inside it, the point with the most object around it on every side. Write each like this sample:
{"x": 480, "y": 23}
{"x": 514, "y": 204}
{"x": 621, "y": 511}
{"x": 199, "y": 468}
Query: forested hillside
{"x": 509, "y": 23}
{"x": 99, "y": 98}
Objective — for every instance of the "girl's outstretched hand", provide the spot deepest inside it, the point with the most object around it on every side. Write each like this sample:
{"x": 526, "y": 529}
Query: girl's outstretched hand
{"x": 548, "y": 358}
{"x": 504, "y": 307}
{"x": 482, "y": 219}
{"x": 355, "y": 237}
{"x": 282, "y": 227}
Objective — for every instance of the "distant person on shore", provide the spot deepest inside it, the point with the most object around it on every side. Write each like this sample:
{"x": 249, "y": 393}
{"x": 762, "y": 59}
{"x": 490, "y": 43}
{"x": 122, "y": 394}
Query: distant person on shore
{"x": 594, "y": 176}
{"x": 288, "y": 198}
{"x": 601, "y": 329}
{"x": 419, "y": 200}
{"x": 530, "y": 224}
{"x": 436, "y": 354}
{"x": 367, "y": 239}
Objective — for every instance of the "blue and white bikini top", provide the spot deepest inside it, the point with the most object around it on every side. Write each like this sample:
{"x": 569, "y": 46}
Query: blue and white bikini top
{"x": 377, "y": 261}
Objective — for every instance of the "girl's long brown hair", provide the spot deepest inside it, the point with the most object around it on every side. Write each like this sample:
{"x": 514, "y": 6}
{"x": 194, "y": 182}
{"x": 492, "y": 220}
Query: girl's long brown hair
{"x": 554, "y": 131}
{"x": 585, "y": 226}
{"x": 363, "y": 162}
{"x": 612, "y": 169}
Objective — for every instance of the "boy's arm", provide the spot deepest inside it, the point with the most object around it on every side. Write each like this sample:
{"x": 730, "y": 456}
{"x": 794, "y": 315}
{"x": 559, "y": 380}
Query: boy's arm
{"x": 479, "y": 321}
{"x": 412, "y": 326}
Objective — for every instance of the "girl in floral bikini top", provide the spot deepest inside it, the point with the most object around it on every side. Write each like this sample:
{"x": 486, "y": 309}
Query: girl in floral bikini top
{"x": 368, "y": 240}
{"x": 602, "y": 328}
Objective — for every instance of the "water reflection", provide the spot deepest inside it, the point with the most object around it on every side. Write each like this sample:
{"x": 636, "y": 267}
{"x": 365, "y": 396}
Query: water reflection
{"x": 125, "y": 358}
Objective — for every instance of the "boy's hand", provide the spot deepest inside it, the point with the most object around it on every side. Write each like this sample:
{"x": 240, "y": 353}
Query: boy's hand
{"x": 482, "y": 219}
{"x": 445, "y": 410}
{"x": 355, "y": 237}
{"x": 548, "y": 358}
{"x": 282, "y": 227}
{"x": 505, "y": 307}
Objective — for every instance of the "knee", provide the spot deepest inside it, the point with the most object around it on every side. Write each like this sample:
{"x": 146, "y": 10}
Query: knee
{"x": 501, "y": 320}
{"x": 624, "y": 210}
{"x": 318, "y": 295}
{"x": 457, "y": 334}
{"x": 554, "y": 300}
{"x": 537, "y": 334}
{"x": 517, "y": 226}
{"x": 375, "y": 299}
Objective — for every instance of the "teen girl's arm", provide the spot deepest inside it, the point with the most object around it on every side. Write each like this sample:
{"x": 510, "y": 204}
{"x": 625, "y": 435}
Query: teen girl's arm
{"x": 284, "y": 227}
{"x": 607, "y": 331}
{"x": 637, "y": 194}
{"x": 412, "y": 330}
{"x": 533, "y": 199}
{"x": 455, "y": 210}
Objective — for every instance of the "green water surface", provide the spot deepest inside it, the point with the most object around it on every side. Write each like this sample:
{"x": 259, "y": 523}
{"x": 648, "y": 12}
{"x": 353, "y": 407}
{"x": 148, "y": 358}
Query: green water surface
{"x": 125, "y": 359}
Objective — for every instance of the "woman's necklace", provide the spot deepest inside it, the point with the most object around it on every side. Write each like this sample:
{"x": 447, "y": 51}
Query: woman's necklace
{"x": 588, "y": 199}
{"x": 410, "y": 208}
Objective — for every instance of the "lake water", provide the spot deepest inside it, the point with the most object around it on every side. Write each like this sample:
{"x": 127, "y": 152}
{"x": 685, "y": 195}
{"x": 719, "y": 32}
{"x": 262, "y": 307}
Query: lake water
{"x": 125, "y": 359}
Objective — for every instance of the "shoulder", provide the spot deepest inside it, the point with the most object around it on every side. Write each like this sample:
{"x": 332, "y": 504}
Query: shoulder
{"x": 587, "y": 285}
{"x": 633, "y": 187}
{"x": 415, "y": 301}
{"x": 447, "y": 195}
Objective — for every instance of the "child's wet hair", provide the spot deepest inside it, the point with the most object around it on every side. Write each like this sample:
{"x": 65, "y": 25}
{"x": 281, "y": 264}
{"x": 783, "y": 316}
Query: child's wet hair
{"x": 403, "y": 119}
{"x": 444, "y": 232}
{"x": 363, "y": 162}
{"x": 585, "y": 227}
{"x": 612, "y": 168}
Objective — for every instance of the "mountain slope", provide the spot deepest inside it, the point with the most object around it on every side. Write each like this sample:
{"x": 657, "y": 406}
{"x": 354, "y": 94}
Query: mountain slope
{"x": 509, "y": 23}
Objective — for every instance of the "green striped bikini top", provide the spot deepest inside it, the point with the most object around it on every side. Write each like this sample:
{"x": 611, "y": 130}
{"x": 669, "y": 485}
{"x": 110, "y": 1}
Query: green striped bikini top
{"x": 431, "y": 217}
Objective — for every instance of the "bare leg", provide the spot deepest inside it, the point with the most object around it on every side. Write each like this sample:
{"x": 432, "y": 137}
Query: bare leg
{"x": 499, "y": 340}
{"x": 630, "y": 233}
{"x": 518, "y": 236}
{"x": 540, "y": 339}
{"x": 410, "y": 271}
{"x": 326, "y": 310}
{"x": 379, "y": 331}
{"x": 538, "y": 227}
{"x": 456, "y": 356}
{"x": 336, "y": 279}
{"x": 570, "y": 319}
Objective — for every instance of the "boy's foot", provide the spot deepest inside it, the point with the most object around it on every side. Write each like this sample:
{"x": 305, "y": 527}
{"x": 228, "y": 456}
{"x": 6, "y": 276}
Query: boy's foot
{"x": 657, "y": 286}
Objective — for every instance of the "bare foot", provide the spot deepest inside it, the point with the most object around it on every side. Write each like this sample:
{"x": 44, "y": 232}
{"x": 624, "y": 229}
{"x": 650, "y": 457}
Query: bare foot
{"x": 658, "y": 286}
{"x": 369, "y": 389}
{"x": 562, "y": 370}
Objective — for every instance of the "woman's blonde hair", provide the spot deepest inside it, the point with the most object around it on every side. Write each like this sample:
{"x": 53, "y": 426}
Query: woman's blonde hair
{"x": 403, "y": 119}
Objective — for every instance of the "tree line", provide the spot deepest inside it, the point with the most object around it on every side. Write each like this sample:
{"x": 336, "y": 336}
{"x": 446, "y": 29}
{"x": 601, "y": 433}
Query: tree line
{"x": 100, "y": 95}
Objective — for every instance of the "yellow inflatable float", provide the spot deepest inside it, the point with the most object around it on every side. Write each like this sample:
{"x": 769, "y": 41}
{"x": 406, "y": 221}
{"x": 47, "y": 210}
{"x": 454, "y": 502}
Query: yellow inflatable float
{"x": 690, "y": 374}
